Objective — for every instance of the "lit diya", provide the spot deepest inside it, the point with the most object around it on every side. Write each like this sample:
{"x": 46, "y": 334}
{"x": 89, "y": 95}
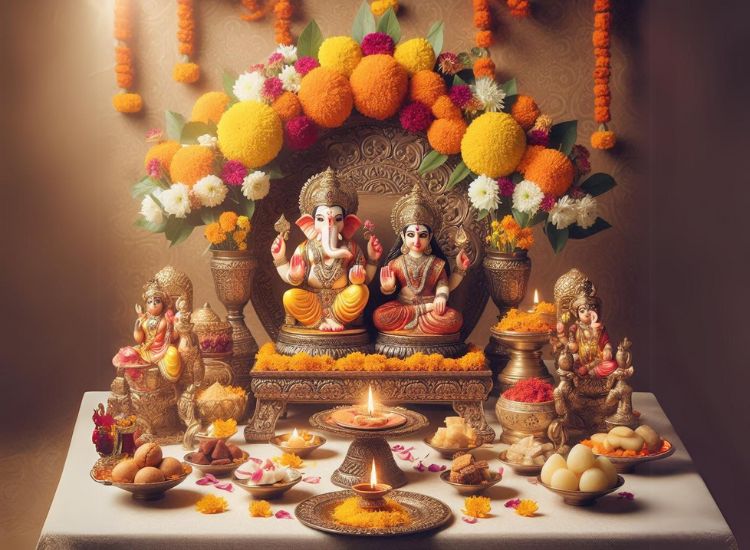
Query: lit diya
{"x": 372, "y": 494}
{"x": 371, "y": 417}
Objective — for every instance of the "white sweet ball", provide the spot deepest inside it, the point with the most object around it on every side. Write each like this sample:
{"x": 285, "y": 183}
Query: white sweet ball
{"x": 564, "y": 480}
{"x": 593, "y": 479}
{"x": 553, "y": 463}
{"x": 580, "y": 459}
{"x": 606, "y": 466}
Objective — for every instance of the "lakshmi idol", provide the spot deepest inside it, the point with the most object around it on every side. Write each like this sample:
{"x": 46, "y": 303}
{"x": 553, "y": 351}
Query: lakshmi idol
{"x": 417, "y": 271}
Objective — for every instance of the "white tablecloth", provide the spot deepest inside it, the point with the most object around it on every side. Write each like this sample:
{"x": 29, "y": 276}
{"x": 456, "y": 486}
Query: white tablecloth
{"x": 672, "y": 506}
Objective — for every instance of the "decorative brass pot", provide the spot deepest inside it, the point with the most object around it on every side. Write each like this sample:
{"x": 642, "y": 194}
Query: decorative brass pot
{"x": 524, "y": 357}
{"x": 520, "y": 419}
{"x": 507, "y": 276}
{"x": 233, "y": 272}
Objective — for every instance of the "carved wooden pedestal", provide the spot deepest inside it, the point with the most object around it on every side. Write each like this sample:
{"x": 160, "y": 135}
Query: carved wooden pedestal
{"x": 404, "y": 345}
{"x": 334, "y": 344}
{"x": 466, "y": 391}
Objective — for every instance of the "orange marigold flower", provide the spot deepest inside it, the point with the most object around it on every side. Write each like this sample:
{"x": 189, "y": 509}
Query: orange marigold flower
{"x": 519, "y": 8}
{"x": 601, "y": 5}
{"x": 601, "y": 101}
{"x": 445, "y": 108}
{"x": 211, "y": 504}
{"x": 287, "y": 106}
{"x": 602, "y": 61}
{"x": 426, "y": 86}
{"x": 600, "y": 39}
{"x": 187, "y": 73}
{"x": 481, "y": 5}
{"x": 484, "y": 39}
{"x": 601, "y": 114}
{"x": 601, "y": 72}
{"x": 209, "y": 107}
{"x": 191, "y": 163}
{"x": 552, "y": 171}
{"x": 525, "y": 111}
{"x": 326, "y": 97}
{"x": 445, "y": 134}
{"x": 127, "y": 102}
{"x": 601, "y": 90}
{"x": 602, "y": 21}
{"x": 283, "y": 9}
{"x": 163, "y": 151}
{"x": 482, "y": 19}
{"x": 603, "y": 139}
{"x": 228, "y": 221}
{"x": 379, "y": 86}
{"x": 531, "y": 152}
{"x": 484, "y": 66}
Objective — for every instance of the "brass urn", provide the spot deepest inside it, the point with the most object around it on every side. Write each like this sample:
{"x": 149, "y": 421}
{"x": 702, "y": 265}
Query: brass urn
{"x": 215, "y": 340}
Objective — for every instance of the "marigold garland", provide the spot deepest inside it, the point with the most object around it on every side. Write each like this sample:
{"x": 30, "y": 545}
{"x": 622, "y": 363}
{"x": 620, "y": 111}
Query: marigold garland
{"x": 603, "y": 138}
{"x": 483, "y": 23}
{"x": 126, "y": 101}
{"x": 282, "y": 26}
{"x": 519, "y": 8}
{"x": 484, "y": 67}
{"x": 254, "y": 11}
{"x": 186, "y": 71}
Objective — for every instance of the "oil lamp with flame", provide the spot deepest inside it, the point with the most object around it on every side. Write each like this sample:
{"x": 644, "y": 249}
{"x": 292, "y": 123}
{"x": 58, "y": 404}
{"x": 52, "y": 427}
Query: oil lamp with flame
{"x": 372, "y": 494}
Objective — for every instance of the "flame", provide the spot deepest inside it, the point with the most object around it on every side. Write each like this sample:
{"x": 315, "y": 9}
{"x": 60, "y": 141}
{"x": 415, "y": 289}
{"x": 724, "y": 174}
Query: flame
{"x": 373, "y": 477}
{"x": 536, "y": 296}
{"x": 370, "y": 402}
{"x": 295, "y": 435}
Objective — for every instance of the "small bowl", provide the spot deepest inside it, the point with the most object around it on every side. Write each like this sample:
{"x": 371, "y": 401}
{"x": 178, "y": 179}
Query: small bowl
{"x": 221, "y": 409}
{"x": 582, "y": 498}
{"x": 520, "y": 469}
{"x": 267, "y": 491}
{"x": 446, "y": 452}
{"x": 217, "y": 470}
{"x": 301, "y": 452}
{"x": 475, "y": 489}
{"x": 626, "y": 464}
{"x": 147, "y": 491}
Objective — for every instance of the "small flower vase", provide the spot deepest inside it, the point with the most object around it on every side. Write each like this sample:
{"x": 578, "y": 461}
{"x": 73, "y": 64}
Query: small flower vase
{"x": 233, "y": 272}
{"x": 507, "y": 277}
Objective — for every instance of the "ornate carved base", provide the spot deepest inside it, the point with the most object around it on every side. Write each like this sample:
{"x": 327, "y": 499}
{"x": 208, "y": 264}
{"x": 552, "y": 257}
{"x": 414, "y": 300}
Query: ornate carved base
{"x": 473, "y": 412}
{"x": 358, "y": 461}
{"x": 336, "y": 344}
{"x": 404, "y": 345}
{"x": 497, "y": 357}
{"x": 262, "y": 425}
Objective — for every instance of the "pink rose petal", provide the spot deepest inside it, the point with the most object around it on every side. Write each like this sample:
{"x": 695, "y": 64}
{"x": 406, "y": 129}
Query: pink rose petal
{"x": 406, "y": 455}
{"x": 469, "y": 520}
{"x": 225, "y": 486}
{"x": 311, "y": 479}
{"x": 256, "y": 460}
{"x": 257, "y": 476}
{"x": 532, "y": 480}
{"x": 397, "y": 448}
{"x": 513, "y": 503}
{"x": 208, "y": 479}
{"x": 625, "y": 495}
{"x": 419, "y": 466}
{"x": 436, "y": 467}
{"x": 501, "y": 471}
{"x": 283, "y": 514}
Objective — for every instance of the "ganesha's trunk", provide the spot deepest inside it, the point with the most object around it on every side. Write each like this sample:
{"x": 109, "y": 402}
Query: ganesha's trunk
{"x": 329, "y": 238}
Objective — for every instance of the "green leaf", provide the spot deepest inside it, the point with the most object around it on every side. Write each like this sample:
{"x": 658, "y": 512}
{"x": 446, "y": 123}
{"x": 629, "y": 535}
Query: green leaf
{"x": 191, "y": 131}
{"x": 364, "y": 23}
{"x": 309, "y": 40}
{"x": 538, "y": 218}
{"x": 597, "y": 184}
{"x": 150, "y": 226}
{"x": 467, "y": 75}
{"x": 174, "y": 123}
{"x": 465, "y": 59}
{"x": 556, "y": 237}
{"x": 458, "y": 81}
{"x": 482, "y": 214}
{"x": 177, "y": 230}
{"x": 431, "y": 161}
{"x": 210, "y": 215}
{"x": 521, "y": 217}
{"x": 249, "y": 207}
{"x": 510, "y": 87}
{"x": 274, "y": 171}
{"x": 562, "y": 136}
{"x": 389, "y": 25}
{"x": 144, "y": 186}
{"x": 577, "y": 232}
{"x": 228, "y": 79}
{"x": 435, "y": 37}
{"x": 459, "y": 174}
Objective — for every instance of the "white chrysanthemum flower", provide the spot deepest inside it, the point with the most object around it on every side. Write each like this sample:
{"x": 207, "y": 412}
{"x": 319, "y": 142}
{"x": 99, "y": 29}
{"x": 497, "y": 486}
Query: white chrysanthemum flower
{"x": 564, "y": 213}
{"x": 484, "y": 194}
{"x": 586, "y": 211}
{"x": 207, "y": 140}
{"x": 175, "y": 200}
{"x": 527, "y": 197}
{"x": 290, "y": 79}
{"x": 249, "y": 87}
{"x": 489, "y": 94}
{"x": 150, "y": 210}
{"x": 210, "y": 190}
{"x": 289, "y": 53}
{"x": 256, "y": 185}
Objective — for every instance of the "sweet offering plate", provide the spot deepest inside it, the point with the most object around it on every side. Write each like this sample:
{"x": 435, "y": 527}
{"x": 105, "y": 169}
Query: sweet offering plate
{"x": 144, "y": 491}
{"x": 626, "y": 464}
{"x": 426, "y": 514}
{"x": 355, "y": 418}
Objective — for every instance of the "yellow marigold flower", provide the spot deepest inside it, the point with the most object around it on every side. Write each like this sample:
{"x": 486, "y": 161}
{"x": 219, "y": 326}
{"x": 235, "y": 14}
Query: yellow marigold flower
{"x": 602, "y": 139}
{"x": 545, "y": 308}
{"x": 250, "y": 132}
{"x": 523, "y": 321}
{"x": 127, "y": 102}
{"x": 493, "y": 145}
{"x": 187, "y": 73}
{"x": 477, "y": 507}
{"x": 242, "y": 246}
{"x": 290, "y": 460}
{"x": 211, "y": 504}
{"x": 415, "y": 55}
{"x": 228, "y": 221}
{"x": 214, "y": 234}
{"x": 224, "y": 428}
{"x": 209, "y": 107}
{"x": 243, "y": 223}
{"x": 260, "y": 509}
{"x": 351, "y": 513}
{"x": 340, "y": 53}
{"x": 495, "y": 225}
{"x": 379, "y": 7}
{"x": 527, "y": 507}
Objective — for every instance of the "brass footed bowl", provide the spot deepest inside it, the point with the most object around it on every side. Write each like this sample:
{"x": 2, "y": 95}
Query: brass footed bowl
{"x": 221, "y": 409}
{"x": 448, "y": 452}
{"x": 146, "y": 491}
{"x": 472, "y": 489}
{"x": 273, "y": 490}
{"x": 217, "y": 469}
{"x": 582, "y": 498}
{"x": 280, "y": 443}
{"x": 520, "y": 419}
{"x": 517, "y": 467}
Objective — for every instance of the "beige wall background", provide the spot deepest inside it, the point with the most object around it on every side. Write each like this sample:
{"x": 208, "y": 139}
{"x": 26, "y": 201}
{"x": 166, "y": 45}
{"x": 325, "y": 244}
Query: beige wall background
{"x": 75, "y": 263}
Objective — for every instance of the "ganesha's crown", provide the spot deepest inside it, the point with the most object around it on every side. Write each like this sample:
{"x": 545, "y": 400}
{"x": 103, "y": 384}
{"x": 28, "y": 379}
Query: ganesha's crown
{"x": 326, "y": 189}
{"x": 415, "y": 209}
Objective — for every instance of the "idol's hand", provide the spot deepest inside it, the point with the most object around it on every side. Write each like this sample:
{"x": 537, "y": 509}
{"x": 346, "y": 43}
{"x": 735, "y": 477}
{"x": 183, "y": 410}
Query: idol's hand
{"x": 296, "y": 269}
{"x": 387, "y": 279}
{"x": 374, "y": 248}
{"x": 440, "y": 304}
{"x": 357, "y": 275}
{"x": 278, "y": 248}
{"x": 595, "y": 320}
{"x": 463, "y": 260}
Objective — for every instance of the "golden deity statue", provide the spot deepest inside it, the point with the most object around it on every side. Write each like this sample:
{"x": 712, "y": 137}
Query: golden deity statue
{"x": 328, "y": 271}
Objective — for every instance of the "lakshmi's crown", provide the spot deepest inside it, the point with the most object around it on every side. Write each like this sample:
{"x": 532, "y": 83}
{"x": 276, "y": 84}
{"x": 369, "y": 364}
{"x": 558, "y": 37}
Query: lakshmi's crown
{"x": 153, "y": 288}
{"x": 415, "y": 209}
{"x": 327, "y": 189}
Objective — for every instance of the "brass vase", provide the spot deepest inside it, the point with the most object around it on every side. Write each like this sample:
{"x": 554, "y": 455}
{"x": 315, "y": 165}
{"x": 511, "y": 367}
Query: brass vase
{"x": 507, "y": 275}
{"x": 524, "y": 357}
{"x": 233, "y": 272}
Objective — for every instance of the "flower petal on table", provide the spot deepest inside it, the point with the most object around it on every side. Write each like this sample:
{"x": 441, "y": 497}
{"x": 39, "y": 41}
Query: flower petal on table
{"x": 207, "y": 479}
{"x": 625, "y": 495}
{"x": 311, "y": 479}
{"x": 532, "y": 480}
{"x": 397, "y": 448}
{"x": 406, "y": 455}
{"x": 225, "y": 486}
{"x": 419, "y": 466}
{"x": 256, "y": 460}
{"x": 469, "y": 520}
{"x": 436, "y": 467}
{"x": 501, "y": 471}
{"x": 283, "y": 514}
{"x": 513, "y": 503}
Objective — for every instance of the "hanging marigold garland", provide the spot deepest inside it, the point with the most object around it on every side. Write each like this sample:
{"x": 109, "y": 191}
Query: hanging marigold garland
{"x": 125, "y": 101}
{"x": 519, "y": 8}
{"x": 186, "y": 71}
{"x": 254, "y": 11}
{"x": 603, "y": 138}
{"x": 483, "y": 23}
{"x": 283, "y": 11}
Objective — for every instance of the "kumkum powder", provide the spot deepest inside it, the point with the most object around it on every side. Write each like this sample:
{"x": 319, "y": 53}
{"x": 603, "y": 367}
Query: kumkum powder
{"x": 531, "y": 390}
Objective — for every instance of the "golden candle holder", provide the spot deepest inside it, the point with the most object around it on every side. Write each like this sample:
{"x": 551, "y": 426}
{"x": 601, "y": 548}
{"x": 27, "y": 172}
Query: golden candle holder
{"x": 525, "y": 357}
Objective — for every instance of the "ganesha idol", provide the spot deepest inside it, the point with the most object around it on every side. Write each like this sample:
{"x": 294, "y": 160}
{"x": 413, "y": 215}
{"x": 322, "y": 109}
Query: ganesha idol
{"x": 328, "y": 272}
{"x": 418, "y": 275}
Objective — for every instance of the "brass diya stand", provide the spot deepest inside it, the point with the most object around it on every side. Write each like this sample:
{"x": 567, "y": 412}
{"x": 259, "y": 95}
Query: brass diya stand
{"x": 393, "y": 344}
{"x": 369, "y": 445}
{"x": 524, "y": 357}
{"x": 293, "y": 340}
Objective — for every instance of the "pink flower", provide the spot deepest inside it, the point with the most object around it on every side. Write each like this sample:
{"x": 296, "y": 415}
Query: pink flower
{"x": 305, "y": 64}
{"x": 154, "y": 135}
{"x": 547, "y": 203}
{"x": 275, "y": 61}
{"x": 625, "y": 495}
{"x": 415, "y": 117}
{"x": 576, "y": 193}
{"x": 233, "y": 172}
{"x": 406, "y": 455}
{"x": 311, "y": 479}
{"x": 301, "y": 133}
{"x": 448, "y": 63}
{"x": 377, "y": 42}
{"x": 273, "y": 88}
{"x": 506, "y": 186}
{"x": 538, "y": 137}
{"x": 501, "y": 471}
{"x": 153, "y": 168}
{"x": 370, "y": 226}
{"x": 513, "y": 503}
{"x": 461, "y": 95}
{"x": 283, "y": 514}
{"x": 469, "y": 520}
{"x": 436, "y": 467}
{"x": 258, "y": 67}
{"x": 580, "y": 157}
